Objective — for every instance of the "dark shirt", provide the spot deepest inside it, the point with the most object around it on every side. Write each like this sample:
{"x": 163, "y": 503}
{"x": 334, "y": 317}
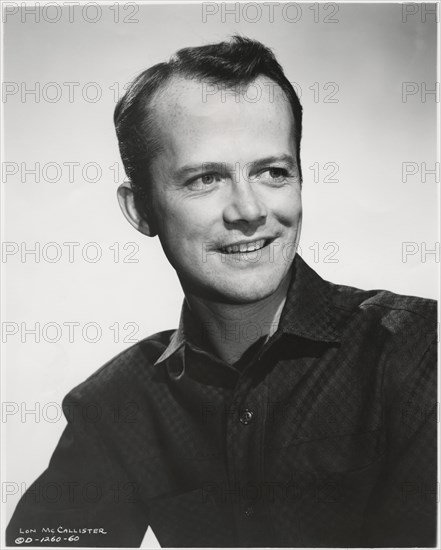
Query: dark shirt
{"x": 325, "y": 435}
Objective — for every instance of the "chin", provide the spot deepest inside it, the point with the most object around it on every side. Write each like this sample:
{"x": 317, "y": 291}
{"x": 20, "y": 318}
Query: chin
{"x": 240, "y": 288}
{"x": 243, "y": 292}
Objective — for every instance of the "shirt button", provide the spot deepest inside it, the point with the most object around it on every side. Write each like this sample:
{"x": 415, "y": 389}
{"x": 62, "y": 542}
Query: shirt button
{"x": 249, "y": 511}
{"x": 246, "y": 417}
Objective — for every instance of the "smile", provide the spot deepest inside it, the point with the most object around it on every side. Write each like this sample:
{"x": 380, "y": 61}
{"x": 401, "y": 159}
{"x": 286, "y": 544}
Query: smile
{"x": 244, "y": 247}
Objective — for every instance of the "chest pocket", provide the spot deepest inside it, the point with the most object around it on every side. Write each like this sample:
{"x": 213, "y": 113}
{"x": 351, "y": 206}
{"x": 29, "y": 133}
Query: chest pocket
{"x": 344, "y": 453}
{"x": 328, "y": 483}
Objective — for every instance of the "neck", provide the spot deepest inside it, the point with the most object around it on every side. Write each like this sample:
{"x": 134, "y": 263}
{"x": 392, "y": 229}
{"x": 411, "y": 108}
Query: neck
{"x": 233, "y": 328}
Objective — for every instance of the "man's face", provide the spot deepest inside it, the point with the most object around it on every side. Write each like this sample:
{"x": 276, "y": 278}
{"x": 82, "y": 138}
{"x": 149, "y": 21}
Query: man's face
{"x": 226, "y": 194}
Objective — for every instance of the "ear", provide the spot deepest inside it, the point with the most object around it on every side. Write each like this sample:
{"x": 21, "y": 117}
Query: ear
{"x": 126, "y": 200}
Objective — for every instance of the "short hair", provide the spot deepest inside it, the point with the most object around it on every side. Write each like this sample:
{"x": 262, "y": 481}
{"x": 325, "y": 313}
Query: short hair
{"x": 233, "y": 63}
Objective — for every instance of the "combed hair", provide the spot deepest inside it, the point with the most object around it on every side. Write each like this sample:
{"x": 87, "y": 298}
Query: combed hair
{"x": 233, "y": 63}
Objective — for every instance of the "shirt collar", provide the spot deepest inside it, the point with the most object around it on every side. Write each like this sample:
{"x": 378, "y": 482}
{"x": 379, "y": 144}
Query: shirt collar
{"x": 177, "y": 339}
{"x": 309, "y": 312}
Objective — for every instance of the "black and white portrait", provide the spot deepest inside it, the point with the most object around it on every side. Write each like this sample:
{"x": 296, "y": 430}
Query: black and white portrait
{"x": 220, "y": 253}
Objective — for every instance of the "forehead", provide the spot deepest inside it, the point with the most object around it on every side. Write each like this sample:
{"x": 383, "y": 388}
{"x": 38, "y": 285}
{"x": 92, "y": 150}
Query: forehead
{"x": 181, "y": 94}
{"x": 204, "y": 114}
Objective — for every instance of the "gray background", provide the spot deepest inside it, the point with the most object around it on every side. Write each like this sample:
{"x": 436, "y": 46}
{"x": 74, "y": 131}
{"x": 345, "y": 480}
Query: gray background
{"x": 353, "y": 228}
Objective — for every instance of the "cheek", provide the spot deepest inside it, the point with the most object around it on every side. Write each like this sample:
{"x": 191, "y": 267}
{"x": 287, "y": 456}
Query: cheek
{"x": 185, "y": 224}
{"x": 288, "y": 211}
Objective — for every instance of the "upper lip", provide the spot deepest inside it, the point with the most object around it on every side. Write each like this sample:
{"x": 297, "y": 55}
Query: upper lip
{"x": 249, "y": 241}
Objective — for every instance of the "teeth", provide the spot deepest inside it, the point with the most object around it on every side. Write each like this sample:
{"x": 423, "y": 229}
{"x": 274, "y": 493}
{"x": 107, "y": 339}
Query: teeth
{"x": 249, "y": 247}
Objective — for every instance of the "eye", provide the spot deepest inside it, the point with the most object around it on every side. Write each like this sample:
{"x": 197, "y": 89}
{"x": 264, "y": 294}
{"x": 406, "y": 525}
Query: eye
{"x": 207, "y": 179}
{"x": 274, "y": 175}
{"x": 277, "y": 173}
{"x": 204, "y": 181}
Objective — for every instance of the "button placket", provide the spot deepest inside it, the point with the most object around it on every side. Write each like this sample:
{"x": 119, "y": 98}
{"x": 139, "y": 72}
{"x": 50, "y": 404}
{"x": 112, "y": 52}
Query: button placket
{"x": 244, "y": 455}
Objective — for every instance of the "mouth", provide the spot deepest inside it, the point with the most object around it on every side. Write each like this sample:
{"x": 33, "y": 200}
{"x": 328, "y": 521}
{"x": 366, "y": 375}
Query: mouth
{"x": 244, "y": 248}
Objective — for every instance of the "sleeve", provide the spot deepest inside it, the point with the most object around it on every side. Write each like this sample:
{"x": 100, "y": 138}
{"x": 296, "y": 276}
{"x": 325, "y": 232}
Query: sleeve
{"x": 83, "y": 498}
{"x": 403, "y": 508}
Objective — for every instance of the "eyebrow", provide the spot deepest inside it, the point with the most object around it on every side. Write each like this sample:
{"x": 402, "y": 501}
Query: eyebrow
{"x": 223, "y": 167}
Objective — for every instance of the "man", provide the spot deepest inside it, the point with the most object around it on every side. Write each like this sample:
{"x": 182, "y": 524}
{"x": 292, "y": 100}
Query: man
{"x": 284, "y": 410}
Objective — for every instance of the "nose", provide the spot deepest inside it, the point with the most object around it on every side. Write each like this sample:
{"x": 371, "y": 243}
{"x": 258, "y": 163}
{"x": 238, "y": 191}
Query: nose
{"x": 244, "y": 206}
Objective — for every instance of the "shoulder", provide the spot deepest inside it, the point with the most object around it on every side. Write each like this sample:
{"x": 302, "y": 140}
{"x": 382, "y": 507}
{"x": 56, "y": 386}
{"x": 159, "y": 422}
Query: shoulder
{"x": 397, "y": 333}
{"x": 123, "y": 374}
{"x": 395, "y": 313}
